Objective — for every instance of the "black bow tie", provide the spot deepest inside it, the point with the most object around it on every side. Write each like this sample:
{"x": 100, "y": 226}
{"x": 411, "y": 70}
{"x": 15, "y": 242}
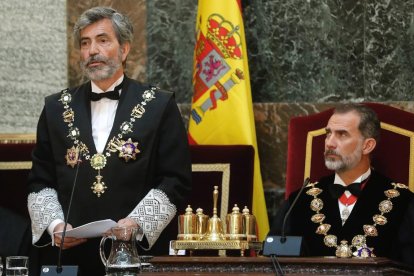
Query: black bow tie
{"x": 337, "y": 190}
{"x": 113, "y": 95}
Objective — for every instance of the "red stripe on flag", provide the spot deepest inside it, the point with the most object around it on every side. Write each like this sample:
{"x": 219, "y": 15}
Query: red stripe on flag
{"x": 191, "y": 141}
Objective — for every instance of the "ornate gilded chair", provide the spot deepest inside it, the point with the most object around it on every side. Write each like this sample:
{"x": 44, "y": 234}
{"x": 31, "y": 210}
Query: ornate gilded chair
{"x": 228, "y": 167}
{"x": 394, "y": 155}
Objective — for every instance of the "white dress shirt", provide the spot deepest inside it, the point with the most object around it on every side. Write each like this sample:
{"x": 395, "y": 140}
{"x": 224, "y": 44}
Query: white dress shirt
{"x": 103, "y": 115}
{"x": 338, "y": 180}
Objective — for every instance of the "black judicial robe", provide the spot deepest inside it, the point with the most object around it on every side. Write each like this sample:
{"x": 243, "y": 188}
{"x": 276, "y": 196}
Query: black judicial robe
{"x": 163, "y": 163}
{"x": 395, "y": 239}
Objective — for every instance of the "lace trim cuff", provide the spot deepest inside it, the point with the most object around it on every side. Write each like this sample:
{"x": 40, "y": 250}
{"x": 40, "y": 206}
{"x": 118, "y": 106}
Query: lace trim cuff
{"x": 44, "y": 207}
{"x": 153, "y": 214}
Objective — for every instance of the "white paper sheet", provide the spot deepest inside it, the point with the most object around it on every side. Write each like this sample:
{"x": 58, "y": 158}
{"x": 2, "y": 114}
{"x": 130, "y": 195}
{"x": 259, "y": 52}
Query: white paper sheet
{"x": 90, "y": 230}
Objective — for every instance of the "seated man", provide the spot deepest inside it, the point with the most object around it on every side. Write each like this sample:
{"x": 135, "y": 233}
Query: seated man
{"x": 356, "y": 211}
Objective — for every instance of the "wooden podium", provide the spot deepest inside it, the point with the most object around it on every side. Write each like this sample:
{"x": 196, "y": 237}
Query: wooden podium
{"x": 183, "y": 265}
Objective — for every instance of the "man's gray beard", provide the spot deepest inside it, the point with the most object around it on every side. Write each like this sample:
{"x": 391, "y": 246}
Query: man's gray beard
{"x": 335, "y": 165}
{"x": 102, "y": 72}
{"x": 97, "y": 74}
{"x": 345, "y": 163}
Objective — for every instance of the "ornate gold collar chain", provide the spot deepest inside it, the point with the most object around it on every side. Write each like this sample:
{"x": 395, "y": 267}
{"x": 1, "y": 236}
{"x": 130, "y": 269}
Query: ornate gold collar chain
{"x": 359, "y": 242}
{"x": 127, "y": 149}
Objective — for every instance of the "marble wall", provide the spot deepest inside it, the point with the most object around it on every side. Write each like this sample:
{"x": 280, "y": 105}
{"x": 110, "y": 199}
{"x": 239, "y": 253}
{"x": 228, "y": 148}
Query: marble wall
{"x": 331, "y": 50}
{"x": 33, "y": 59}
{"x": 299, "y": 50}
{"x": 304, "y": 56}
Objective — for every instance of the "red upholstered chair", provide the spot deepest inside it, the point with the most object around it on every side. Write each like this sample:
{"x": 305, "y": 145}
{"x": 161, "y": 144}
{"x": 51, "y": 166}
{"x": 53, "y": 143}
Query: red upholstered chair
{"x": 15, "y": 164}
{"x": 394, "y": 155}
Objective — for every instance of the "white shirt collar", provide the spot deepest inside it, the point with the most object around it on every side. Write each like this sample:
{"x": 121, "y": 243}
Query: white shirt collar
{"x": 359, "y": 179}
{"x": 96, "y": 89}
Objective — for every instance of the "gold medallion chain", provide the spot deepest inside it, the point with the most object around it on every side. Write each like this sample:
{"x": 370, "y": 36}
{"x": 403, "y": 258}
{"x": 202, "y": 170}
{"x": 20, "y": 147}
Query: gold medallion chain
{"x": 344, "y": 250}
{"x": 127, "y": 148}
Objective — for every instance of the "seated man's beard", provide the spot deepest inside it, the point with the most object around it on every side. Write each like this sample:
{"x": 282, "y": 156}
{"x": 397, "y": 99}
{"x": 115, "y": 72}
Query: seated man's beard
{"x": 344, "y": 162}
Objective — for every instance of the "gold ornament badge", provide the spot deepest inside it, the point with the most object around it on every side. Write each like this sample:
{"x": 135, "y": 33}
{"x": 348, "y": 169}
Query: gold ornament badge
{"x": 127, "y": 149}
{"x": 98, "y": 187}
{"x": 343, "y": 250}
{"x": 98, "y": 162}
{"x": 72, "y": 156}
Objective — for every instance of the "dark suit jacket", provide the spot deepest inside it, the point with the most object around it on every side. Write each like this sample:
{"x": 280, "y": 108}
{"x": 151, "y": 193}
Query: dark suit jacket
{"x": 393, "y": 240}
{"x": 164, "y": 162}
{"x": 15, "y": 234}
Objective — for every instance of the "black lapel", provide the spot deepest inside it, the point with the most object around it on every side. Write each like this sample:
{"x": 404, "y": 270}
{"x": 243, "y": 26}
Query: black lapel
{"x": 331, "y": 208}
{"x": 131, "y": 95}
{"x": 82, "y": 108}
{"x": 367, "y": 204}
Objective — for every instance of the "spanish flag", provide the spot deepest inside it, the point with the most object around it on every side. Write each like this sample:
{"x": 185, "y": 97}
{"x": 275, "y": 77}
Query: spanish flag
{"x": 222, "y": 109}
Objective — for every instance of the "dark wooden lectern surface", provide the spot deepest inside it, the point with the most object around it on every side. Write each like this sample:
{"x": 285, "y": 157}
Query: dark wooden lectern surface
{"x": 183, "y": 265}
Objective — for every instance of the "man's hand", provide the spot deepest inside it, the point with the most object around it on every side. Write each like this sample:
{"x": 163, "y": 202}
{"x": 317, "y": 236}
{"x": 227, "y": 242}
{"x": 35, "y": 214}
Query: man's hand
{"x": 127, "y": 222}
{"x": 69, "y": 241}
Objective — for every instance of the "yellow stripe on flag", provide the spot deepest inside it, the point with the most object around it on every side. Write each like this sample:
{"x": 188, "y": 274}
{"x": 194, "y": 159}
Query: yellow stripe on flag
{"x": 222, "y": 108}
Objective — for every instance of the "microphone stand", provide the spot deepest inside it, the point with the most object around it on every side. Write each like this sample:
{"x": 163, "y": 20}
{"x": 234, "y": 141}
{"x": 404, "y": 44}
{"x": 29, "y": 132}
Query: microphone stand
{"x": 283, "y": 235}
{"x": 66, "y": 270}
{"x": 282, "y": 245}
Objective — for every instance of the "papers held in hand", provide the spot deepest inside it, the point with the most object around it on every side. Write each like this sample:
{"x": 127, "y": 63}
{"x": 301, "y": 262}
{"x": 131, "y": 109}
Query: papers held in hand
{"x": 90, "y": 230}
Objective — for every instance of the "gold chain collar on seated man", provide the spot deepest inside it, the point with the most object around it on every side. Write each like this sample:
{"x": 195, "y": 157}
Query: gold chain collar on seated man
{"x": 127, "y": 149}
{"x": 343, "y": 250}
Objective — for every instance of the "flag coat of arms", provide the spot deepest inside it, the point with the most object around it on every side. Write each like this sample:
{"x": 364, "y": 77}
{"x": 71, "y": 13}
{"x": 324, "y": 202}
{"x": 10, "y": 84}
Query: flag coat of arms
{"x": 222, "y": 109}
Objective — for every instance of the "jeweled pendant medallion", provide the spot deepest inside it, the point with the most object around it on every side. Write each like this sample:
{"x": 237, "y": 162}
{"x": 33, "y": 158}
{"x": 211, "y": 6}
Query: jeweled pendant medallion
{"x": 343, "y": 250}
{"x": 318, "y": 218}
{"x": 323, "y": 228}
{"x": 72, "y": 156}
{"x": 380, "y": 219}
{"x": 392, "y": 193}
{"x": 330, "y": 240}
{"x": 385, "y": 206}
{"x": 68, "y": 116}
{"x": 370, "y": 230}
{"x": 128, "y": 150}
{"x": 359, "y": 240}
{"x": 98, "y": 187}
{"x": 98, "y": 161}
{"x": 364, "y": 252}
{"x": 314, "y": 191}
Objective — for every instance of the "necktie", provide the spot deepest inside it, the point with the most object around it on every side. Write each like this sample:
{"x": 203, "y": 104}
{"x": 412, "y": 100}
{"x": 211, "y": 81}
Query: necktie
{"x": 113, "y": 95}
{"x": 337, "y": 190}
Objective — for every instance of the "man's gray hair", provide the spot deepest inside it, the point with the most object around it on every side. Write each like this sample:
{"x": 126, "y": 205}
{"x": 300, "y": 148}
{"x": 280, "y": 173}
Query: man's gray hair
{"x": 369, "y": 125}
{"x": 122, "y": 25}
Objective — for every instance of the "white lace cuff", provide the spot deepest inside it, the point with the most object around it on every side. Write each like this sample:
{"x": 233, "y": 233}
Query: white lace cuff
{"x": 44, "y": 207}
{"x": 153, "y": 214}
